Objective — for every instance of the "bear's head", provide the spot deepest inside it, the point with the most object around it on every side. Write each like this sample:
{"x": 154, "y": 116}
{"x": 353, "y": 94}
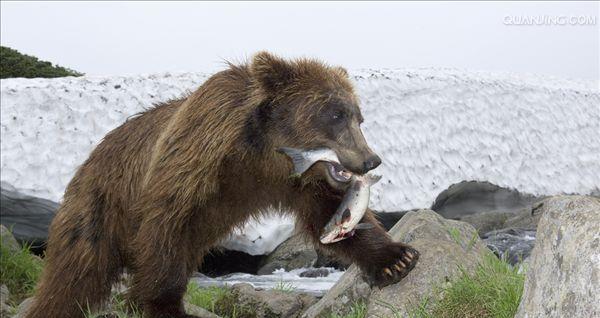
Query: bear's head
{"x": 307, "y": 104}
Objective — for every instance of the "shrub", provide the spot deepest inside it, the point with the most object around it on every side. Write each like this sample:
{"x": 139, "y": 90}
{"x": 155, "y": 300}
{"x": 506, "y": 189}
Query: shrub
{"x": 15, "y": 64}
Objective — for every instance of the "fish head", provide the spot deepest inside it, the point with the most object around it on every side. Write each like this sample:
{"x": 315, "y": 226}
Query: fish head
{"x": 335, "y": 235}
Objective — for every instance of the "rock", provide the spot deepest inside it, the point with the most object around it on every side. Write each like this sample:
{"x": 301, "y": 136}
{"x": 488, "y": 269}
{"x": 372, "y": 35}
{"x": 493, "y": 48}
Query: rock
{"x": 28, "y": 217}
{"x": 471, "y": 197}
{"x": 349, "y": 289}
{"x": 389, "y": 219}
{"x": 514, "y": 245}
{"x": 315, "y": 272}
{"x": 488, "y": 221}
{"x": 8, "y": 240}
{"x": 325, "y": 259}
{"x": 23, "y": 307}
{"x": 271, "y": 303}
{"x": 443, "y": 244}
{"x": 293, "y": 253}
{"x": 198, "y": 311}
{"x": 527, "y": 218}
{"x": 5, "y": 308}
{"x": 563, "y": 278}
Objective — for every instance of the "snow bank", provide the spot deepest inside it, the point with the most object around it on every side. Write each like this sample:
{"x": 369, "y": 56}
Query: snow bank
{"x": 432, "y": 128}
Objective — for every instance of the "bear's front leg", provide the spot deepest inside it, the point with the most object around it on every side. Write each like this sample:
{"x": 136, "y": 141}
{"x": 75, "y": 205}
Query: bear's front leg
{"x": 163, "y": 261}
{"x": 382, "y": 260}
{"x": 160, "y": 276}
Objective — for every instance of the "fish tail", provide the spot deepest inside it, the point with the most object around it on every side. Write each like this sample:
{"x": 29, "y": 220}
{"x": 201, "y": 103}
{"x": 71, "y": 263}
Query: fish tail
{"x": 371, "y": 179}
{"x": 298, "y": 159}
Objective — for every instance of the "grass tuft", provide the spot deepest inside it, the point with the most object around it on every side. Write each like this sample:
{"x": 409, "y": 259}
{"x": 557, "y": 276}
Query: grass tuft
{"x": 19, "y": 271}
{"x": 493, "y": 291}
{"x": 284, "y": 286}
{"x": 358, "y": 310}
{"x": 219, "y": 300}
{"x": 119, "y": 308}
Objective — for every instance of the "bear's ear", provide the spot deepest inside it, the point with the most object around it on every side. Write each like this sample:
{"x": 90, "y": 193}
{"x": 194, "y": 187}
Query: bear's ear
{"x": 271, "y": 71}
{"x": 342, "y": 71}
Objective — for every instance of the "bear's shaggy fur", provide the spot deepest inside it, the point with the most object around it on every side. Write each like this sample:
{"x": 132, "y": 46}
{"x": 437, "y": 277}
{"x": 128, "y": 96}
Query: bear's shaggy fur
{"x": 168, "y": 185}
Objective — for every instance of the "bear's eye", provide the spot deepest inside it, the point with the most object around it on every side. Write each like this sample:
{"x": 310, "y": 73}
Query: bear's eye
{"x": 338, "y": 115}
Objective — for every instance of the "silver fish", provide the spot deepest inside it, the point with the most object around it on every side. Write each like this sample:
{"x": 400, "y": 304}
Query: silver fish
{"x": 304, "y": 159}
{"x": 352, "y": 209}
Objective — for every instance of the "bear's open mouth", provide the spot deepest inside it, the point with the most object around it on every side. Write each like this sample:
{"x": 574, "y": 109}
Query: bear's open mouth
{"x": 338, "y": 173}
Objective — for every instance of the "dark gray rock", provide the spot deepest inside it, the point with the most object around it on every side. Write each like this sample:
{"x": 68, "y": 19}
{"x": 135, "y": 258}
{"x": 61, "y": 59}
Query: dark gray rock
{"x": 27, "y": 216}
{"x": 316, "y": 272}
{"x": 488, "y": 221}
{"x": 389, "y": 219}
{"x": 293, "y": 253}
{"x": 471, "y": 197}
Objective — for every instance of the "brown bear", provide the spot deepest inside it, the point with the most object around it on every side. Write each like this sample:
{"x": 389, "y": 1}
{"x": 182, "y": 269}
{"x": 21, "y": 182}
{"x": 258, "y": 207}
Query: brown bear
{"x": 168, "y": 185}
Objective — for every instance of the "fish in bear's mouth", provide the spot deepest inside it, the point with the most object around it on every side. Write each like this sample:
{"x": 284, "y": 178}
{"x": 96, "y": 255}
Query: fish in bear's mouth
{"x": 338, "y": 173}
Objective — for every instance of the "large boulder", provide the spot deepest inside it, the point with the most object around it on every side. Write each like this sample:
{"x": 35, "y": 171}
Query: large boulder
{"x": 444, "y": 246}
{"x": 27, "y": 216}
{"x": 294, "y": 253}
{"x": 270, "y": 303}
{"x": 563, "y": 278}
{"x": 472, "y": 197}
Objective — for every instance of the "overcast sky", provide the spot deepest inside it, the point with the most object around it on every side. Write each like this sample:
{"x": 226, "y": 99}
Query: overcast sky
{"x": 109, "y": 38}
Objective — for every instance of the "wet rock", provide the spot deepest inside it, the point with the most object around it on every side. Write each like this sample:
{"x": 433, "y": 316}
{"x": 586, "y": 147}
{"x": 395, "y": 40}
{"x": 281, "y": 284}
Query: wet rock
{"x": 471, "y": 197}
{"x": 443, "y": 244}
{"x": 514, "y": 245}
{"x": 315, "y": 272}
{"x": 563, "y": 278}
{"x": 294, "y": 253}
{"x": 271, "y": 303}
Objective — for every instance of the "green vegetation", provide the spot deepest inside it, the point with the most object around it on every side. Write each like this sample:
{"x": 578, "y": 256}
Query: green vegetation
{"x": 119, "y": 308}
{"x": 285, "y": 287}
{"x": 219, "y": 300}
{"x": 494, "y": 290}
{"x": 15, "y": 64}
{"x": 358, "y": 310}
{"x": 19, "y": 271}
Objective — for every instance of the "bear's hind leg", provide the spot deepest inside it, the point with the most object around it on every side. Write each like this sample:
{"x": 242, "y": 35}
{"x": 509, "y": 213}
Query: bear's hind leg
{"x": 78, "y": 275}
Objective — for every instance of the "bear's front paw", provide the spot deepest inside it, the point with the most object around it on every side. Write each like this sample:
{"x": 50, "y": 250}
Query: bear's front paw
{"x": 398, "y": 261}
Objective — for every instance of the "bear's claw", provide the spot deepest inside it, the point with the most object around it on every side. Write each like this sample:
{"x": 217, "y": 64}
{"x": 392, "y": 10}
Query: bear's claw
{"x": 403, "y": 259}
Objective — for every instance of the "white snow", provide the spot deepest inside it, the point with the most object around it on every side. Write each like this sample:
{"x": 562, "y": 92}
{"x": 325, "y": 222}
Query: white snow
{"x": 432, "y": 127}
{"x": 259, "y": 238}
